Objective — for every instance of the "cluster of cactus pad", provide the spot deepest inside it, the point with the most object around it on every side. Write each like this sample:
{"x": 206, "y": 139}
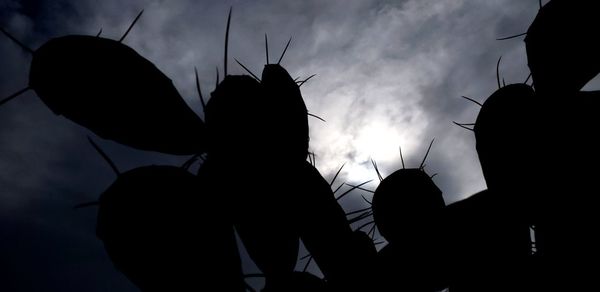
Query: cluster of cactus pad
{"x": 168, "y": 229}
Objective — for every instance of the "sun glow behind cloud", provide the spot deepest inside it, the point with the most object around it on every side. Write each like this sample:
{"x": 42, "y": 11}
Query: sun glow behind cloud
{"x": 375, "y": 140}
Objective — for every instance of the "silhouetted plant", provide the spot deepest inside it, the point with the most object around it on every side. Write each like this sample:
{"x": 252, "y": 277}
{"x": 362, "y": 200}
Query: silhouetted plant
{"x": 153, "y": 223}
{"x": 489, "y": 231}
{"x": 110, "y": 89}
{"x": 561, "y": 51}
{"x": 407, "y": 208}
{"x": 153, "y": 219}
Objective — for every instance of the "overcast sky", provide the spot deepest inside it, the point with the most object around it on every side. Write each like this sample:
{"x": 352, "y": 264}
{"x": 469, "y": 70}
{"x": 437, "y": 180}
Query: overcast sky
{"x": 389, "y": 74}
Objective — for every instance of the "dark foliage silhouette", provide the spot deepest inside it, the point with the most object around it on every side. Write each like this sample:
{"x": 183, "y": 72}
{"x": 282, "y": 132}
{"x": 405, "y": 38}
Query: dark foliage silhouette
{"x": 518, "y": 123}
{"x": 248, "y": 115}
{"x": 267, "y": 115}
{"x": 489, "y": 232}
{"x": 561, "y": 50}
{"x": 406, "y": 207}
{"x": 563, "y": 59}
{"x": 534, "y": 227}
{"x": 109, "y": 88}
{"x": 154, "y": 232}
{"x": 237, "y": 125}
{"x": 342, "y": 255}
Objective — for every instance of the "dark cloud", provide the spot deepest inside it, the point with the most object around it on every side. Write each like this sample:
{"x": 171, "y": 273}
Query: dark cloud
{"x": 389, "y": 74}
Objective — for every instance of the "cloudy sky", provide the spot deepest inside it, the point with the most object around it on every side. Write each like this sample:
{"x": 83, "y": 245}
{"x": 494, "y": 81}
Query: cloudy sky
{"x": 389, "y": 74}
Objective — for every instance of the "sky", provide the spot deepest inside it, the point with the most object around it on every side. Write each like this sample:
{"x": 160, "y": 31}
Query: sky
{"x": 389, "y": 74}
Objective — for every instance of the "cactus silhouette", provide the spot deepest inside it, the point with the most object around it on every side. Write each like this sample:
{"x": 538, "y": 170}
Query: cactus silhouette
{"x": 563, "y": 58}
{"x": 561, "y": 52}
{"x": 166, "y": 229}
{"x": 406, "y": 207}
{"x": 489, "y": 231}
{"x": 247, "y": 116}
{"x": 153, "y": 223}
{"x": 107, "y": 87}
